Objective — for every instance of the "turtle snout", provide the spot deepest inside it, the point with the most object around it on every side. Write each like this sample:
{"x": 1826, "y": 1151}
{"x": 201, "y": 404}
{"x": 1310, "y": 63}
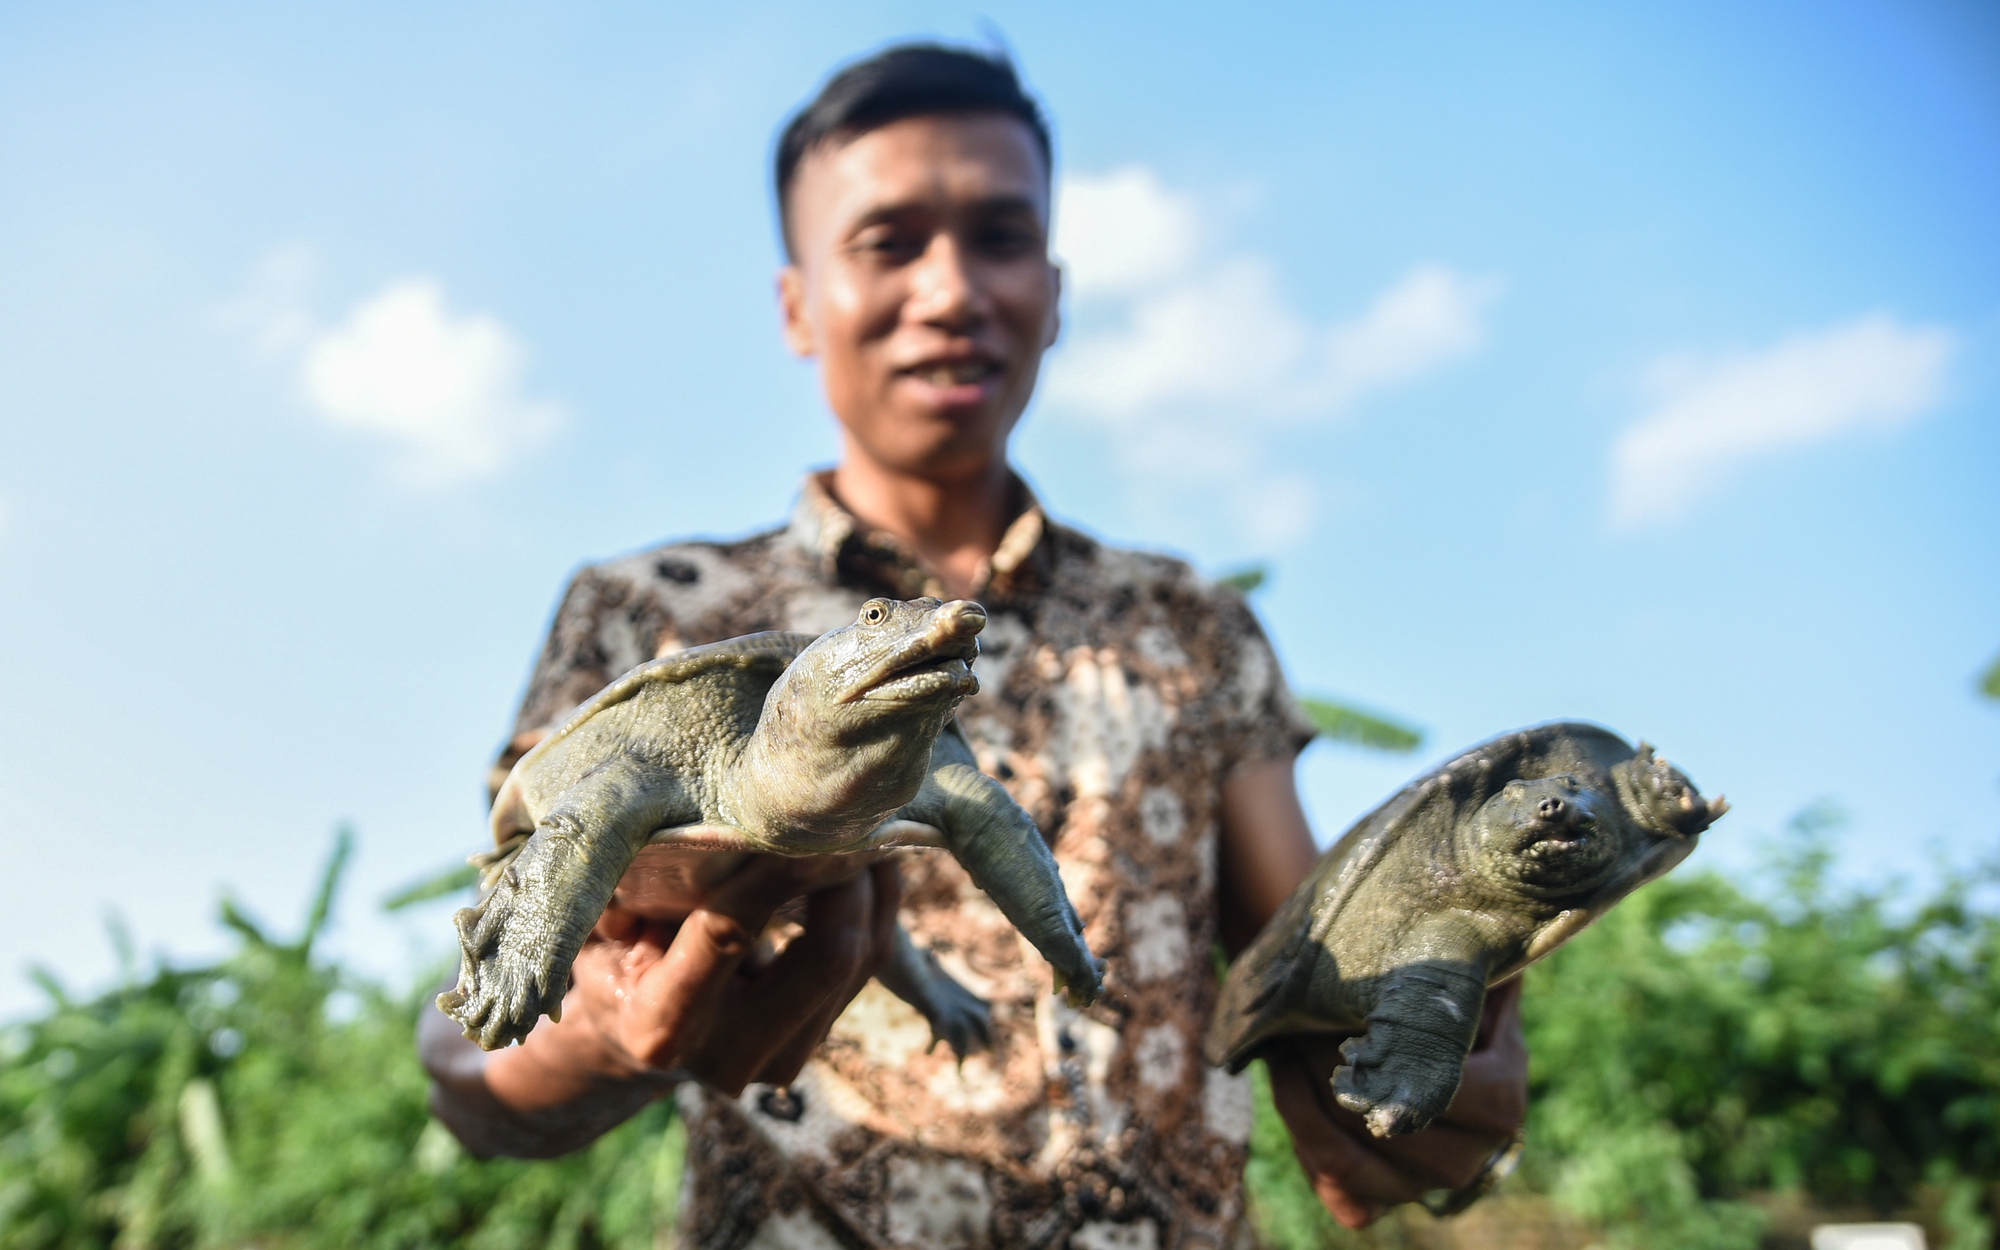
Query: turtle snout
{"x": 1551, "y": 809}
{"x": 958, "y": 620}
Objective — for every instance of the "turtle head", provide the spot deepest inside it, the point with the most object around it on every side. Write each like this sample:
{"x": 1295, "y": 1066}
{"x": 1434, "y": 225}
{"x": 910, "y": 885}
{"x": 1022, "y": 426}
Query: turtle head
{"x": 846, "y": 733}
{"x": 897, "y": 657}
{"x": 1548, "y": 837}
{"x": 1565, "y": 837}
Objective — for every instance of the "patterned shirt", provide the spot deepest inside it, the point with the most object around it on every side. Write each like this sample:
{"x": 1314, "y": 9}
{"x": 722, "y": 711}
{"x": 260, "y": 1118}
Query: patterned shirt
{"x": 1118, "y": 689}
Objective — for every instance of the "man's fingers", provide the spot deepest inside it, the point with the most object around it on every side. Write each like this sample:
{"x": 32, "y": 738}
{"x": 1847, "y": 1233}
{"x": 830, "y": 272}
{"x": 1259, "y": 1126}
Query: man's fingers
{"x": 886, "y": 880}
{"x": 815, "y": 978}
{"x": 1444, "y": 1155}
{"x": 1447, "y": 1154}
{"x": 759, "y": 888}
{"x": 767, "y": 882}
{"x": 679, "y": 995}
{"x": 618, "y": 923}
{"x": 683, "y": 996}
{"x": 1500, "y": 1020}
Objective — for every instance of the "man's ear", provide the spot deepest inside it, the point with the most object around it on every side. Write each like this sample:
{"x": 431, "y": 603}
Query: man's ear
{"x": 799, "y": 334}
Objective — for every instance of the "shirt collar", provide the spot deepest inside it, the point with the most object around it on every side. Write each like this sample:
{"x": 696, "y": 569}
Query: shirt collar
{"x": 842, "y": 549}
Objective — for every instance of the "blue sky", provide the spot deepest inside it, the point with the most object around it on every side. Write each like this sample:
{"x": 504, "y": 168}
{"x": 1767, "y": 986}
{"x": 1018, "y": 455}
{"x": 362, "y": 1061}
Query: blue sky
{"x": 1630, "y": 362}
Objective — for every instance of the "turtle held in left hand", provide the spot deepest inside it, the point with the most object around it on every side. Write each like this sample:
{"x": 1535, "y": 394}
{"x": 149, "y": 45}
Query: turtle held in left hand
{"x": 773, "y": 743}
{"x": 1454, "y": 885}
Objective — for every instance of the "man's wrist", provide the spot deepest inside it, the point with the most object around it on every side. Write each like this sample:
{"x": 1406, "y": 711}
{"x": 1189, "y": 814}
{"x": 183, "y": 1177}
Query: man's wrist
{"x": 560, "y": 1064}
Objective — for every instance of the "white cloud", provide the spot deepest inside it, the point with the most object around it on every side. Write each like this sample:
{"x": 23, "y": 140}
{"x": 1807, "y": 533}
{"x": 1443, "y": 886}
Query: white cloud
{"x": 1124, "y": 231}
{"x": 443, "y": 388}
{"x": 1208, "y": 337}
{"x": 1873, "y": 372}
{"x": 1223, "y": 336}
{"x": 1197, "y": 359}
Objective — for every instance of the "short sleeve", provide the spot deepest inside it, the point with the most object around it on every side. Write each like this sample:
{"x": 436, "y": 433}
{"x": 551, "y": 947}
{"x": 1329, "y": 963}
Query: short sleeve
{"x": 1258, "y": 718}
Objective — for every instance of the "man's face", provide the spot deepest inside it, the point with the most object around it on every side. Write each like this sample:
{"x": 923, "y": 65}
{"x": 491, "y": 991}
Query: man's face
{"x": 923, "y": 285}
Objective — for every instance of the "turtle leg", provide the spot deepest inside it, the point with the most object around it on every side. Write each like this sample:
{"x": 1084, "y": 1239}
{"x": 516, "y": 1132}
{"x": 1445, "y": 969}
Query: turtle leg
{"x": 1403, "y": 1071}
{"x": 958, "y": 1017}
{"x": 518, "y": 943}
{"x": 998, "y": 843}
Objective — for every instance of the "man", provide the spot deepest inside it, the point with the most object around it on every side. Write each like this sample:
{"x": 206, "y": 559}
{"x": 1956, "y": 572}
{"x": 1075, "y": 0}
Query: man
{"x": 1132, "y": 707}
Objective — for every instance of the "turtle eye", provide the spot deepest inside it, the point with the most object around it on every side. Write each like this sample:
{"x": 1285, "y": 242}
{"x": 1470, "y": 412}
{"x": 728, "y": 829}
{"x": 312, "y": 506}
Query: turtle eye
{"x": 875, "y": 611}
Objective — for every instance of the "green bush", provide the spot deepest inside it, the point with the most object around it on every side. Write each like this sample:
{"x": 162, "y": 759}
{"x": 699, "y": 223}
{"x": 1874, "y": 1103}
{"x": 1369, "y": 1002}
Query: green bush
{"x": 1702, "y": 1046}
{"x": 275, "y": 1100}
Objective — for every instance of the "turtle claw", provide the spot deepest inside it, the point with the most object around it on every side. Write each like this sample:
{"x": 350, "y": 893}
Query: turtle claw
{"x": 1081, "y": 991}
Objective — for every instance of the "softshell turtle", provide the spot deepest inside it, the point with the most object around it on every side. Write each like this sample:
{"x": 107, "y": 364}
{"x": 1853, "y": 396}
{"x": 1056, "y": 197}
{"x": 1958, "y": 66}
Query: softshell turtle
{"x": 1462, "y": 879}
{"x": 777, "y": 743}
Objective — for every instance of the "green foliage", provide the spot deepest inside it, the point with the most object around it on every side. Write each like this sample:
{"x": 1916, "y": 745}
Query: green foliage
{"x": 1345, "y": 723}
{"x": 1246, "y": 579}
{"x": 1989, "y": 685}
{"x": 1702, "y": 1045}
{"x": 269, "y": 1099}
{"x": 448, "y": 881}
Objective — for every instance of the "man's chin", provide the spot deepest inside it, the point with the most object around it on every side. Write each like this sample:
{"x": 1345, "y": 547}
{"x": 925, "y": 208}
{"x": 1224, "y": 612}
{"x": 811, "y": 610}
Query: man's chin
{"x": 941, "y": 444}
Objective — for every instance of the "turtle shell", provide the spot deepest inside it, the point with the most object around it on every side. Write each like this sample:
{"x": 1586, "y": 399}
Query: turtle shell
{"x": 761, "y": 657}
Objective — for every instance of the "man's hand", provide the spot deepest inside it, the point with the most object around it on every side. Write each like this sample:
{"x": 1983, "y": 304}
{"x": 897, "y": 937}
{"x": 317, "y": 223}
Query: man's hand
{"x": 652, "y": 1003}
{"x": 1359, "y": 1176}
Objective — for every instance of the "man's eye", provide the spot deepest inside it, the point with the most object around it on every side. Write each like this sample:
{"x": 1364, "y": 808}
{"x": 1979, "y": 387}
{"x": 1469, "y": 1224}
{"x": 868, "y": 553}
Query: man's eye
{"x": 888, "y": 245}
{"x": 1007, "y": 241}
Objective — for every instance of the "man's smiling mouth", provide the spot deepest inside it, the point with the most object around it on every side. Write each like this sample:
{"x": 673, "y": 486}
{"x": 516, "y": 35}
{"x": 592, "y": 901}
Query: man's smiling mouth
{"x": 954, "y": 372}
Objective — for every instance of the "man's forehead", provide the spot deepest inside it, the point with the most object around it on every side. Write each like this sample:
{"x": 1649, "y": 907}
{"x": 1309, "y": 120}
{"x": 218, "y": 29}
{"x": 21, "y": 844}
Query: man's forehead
{"x": 950, "y": 159}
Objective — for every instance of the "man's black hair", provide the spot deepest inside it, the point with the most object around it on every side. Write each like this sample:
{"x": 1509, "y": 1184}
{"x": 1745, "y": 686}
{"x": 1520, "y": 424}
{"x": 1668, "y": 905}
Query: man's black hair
{"x": 906, "y": 80}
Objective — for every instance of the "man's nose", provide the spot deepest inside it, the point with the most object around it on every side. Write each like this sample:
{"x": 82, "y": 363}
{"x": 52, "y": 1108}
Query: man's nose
{"x": 943, "y": 289}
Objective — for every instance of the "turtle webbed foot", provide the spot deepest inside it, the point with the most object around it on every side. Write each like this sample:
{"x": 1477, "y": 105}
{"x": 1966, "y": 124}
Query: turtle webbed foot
{"x": 505, "y": 983}
{"x": 1402, "y": 1073}
{"x": 959, "y": 1018}
{"x": 1395, "y": 1094}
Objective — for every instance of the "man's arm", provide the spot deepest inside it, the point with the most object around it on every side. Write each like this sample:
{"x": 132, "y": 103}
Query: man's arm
{"x": 652, "y": 1004}
{"x": 1266, "y": 849}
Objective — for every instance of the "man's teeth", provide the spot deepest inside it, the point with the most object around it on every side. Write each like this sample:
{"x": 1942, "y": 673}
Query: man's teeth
{"x": 957, "y": 374}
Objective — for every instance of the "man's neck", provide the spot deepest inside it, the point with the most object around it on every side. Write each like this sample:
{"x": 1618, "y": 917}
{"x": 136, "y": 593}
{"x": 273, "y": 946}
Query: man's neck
{"x": 952, "y": 527}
